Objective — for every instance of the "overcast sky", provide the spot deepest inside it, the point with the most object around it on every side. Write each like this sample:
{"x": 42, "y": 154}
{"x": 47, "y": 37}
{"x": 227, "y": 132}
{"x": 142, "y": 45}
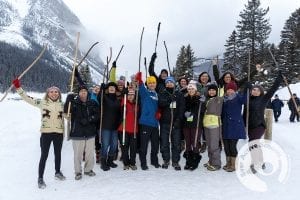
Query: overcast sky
{"x": 205, "y": 24}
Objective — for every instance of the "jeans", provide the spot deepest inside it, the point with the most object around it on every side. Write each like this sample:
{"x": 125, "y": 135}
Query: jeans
{"x": 165, "y": 143}
{"x": 109, "y": 140}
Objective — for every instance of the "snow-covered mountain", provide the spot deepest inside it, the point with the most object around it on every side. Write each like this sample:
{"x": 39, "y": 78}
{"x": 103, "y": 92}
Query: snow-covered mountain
{"x": 24, "y": 22}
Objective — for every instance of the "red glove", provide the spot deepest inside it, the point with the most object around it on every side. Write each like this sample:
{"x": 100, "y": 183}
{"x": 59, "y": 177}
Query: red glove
{"x": 17, "y": 83}
{"x": 138, "y": 77}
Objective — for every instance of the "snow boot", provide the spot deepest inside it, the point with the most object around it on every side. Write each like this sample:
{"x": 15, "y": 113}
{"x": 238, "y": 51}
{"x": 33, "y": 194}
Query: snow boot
{"x": 196, "y": 157}
{"x": 231, "y": 168}
{"x": 203, "y": 147}
{"x": 78, "y": 176}
{"x": 104, "y": 165}
{"x": 176, "y": 166}
{"x": 133, "y": 167}
{"x": 41, "y": 183}
{"x": 165, "y": 165}
{"x": 90, "y": 173}
{"x": 188, "y": 157}
{"x": 110, "y": 162}
{"x": 60, "y": 176}
{"x": 227, "y": 165}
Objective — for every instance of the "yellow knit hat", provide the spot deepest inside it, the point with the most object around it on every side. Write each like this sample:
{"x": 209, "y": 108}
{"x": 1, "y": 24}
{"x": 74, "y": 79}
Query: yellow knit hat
{"x": 151, "y": 79}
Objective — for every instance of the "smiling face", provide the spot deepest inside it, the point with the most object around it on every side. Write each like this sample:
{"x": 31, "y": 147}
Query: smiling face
{"x": 204, "y": 78}
{"x": 111, "y": 89}
{"x": 151, "y": 85}
{"x": 230, "y": 92}
{"x": 83, "y": 93}
{"x": 53, "y": 94}
{"x": 227, "y": 78}
{"x": 191, "y": 91}
{"x": 183, "y": 83}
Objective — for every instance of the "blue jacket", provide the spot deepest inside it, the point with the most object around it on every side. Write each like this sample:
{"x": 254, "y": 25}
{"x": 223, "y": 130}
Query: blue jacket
{"x": 232, "y": 120}
{"x": 277, "y": 104}
{"x": 149, "y": 106}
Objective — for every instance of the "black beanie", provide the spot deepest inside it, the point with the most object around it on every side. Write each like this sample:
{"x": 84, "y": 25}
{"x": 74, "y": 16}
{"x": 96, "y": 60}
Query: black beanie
{"x": 212, "y": 86}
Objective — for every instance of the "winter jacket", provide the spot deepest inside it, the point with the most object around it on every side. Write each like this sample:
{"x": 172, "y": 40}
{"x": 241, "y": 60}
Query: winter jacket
{"x": 129, "y": 118}
{"x": 111, "y": 116}
{"x": 84, "y": 117}
{"x": 232, "y": 120}
{"x": 257, "y": 105}
{"x": 192, "y": 104}
{"x": 292, "y": 105}
{"x": 212, "y": 116}
{"x": 149, "y": 106}
{"x": 277, "y": 104}
{"x": 169, "y": 102}
{"x": 52, "y": 112}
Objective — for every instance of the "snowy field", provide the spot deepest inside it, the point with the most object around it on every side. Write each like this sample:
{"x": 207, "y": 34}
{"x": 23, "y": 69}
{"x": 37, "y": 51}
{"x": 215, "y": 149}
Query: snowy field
{"x": 20, "y": 151}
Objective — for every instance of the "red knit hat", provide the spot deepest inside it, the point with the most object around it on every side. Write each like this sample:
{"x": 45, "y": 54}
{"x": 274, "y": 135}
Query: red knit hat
{"x": 231, "y": 85}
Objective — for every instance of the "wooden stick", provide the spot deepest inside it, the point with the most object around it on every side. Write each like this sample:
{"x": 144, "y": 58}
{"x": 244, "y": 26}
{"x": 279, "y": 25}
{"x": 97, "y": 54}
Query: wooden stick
{"x": 25, "y": 71}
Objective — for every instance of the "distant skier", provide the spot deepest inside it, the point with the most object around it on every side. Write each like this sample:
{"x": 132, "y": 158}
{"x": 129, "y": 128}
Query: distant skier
{"x": 52, "y": 127}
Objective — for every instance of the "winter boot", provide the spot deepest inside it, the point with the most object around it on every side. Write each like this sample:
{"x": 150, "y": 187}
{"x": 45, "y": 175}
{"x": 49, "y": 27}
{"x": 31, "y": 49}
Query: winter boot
{"x": 78, "y": 176}
{"x": 188, "y": 156}
{"x": 41, "y": 183}
{"x": 126, "y": 167}
{"x": 90, "y": 173}
{"x": 226, "y": 166}
{"x": 110, "y": 162}
{"x": 165, "y": 165}
{"x": 104, "y": 165}
{"x": 196, "y": 157}
{"x": 231, "y": 168}
{"x": 133, "y": 167}
{"x": 176, "y": 166}
{"x": 60, "y": 176}
{"x": 203, "y": 147}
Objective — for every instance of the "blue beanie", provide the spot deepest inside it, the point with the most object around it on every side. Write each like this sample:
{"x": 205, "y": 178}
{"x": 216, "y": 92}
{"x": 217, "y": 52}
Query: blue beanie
{"x": 170, "y": 79}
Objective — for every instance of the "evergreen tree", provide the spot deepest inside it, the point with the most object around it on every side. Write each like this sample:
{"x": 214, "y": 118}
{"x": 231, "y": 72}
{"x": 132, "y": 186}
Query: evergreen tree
{"x": 231, "y": 59}
{"x": 184, "y": 63}
{"x": 253, "y": 31}
{"x": 290, "y": 47}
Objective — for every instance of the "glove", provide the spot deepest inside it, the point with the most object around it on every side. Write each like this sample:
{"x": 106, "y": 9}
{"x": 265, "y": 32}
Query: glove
{"x": 202, "y": 98}
{"x": 187, "y": 114}
{"x": 248, "y": 85}
{"x": 16, "y": 83}
{"x": 114, "y": 64}
{"x": 102, "y": 86}
{"x": 76, "y": 72}
{"x": 153, "y": 57}
{"x": 84, "y": 121}
{"x": 138, "y": 77}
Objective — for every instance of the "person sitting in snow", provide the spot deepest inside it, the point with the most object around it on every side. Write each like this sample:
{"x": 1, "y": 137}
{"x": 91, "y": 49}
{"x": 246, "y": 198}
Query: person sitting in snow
{"x": 52, "y": 127}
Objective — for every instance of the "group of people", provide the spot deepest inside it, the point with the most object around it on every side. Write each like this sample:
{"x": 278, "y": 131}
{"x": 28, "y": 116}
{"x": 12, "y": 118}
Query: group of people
{"x": 294, "y": 106}
{"x": 128, "y": 115}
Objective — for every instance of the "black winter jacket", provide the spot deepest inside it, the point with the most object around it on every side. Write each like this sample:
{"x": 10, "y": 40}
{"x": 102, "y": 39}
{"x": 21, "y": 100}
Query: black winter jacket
{"x": 192, "y": 105}
{"x": 111, "y": 111}
{"x": 165, "y": 98}
{"x": 257, "y": 105}
{"x": 84, "y": 117}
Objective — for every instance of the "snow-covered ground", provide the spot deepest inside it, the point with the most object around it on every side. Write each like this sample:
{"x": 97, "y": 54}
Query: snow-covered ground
{"x": 20, "y": 151}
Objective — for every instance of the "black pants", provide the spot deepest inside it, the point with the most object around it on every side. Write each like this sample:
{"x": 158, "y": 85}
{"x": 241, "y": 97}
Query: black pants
{"x": 128, "y": 148}
{"x": 165, "y": 143}
{"x": 45, "y": 142}
{"x": 97, "y": 143}
{"x": 230, "y": 147}
{"x": 148, "y": 133}
{"x": 294, "y": 114}
{"x": 277, "y": 114}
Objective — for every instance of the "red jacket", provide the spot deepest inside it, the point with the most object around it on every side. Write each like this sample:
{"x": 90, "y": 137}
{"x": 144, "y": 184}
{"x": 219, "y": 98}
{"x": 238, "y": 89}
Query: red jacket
{"x": 130, "y": 112}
